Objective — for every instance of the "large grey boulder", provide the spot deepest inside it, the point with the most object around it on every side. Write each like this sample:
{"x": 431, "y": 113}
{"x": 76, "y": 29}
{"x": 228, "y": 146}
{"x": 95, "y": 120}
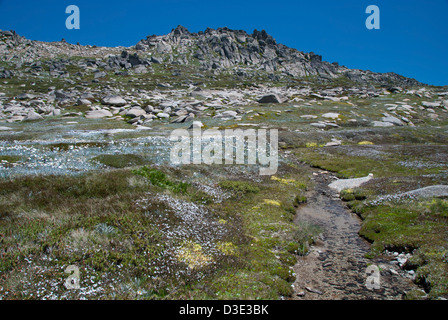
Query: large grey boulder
{"x": 99, "y": 74}
{"x": 331, "y": 115}
{"x": 156, "y": 60}
{"x": 149, "y": 108}
{"x": 382, "y": 124}
{"x": 163, "y": 115}
{"x": 431, "y": 104}
{"x": 272, "y": 98}
{"x": 113, "y": 101}
{"x": 25, "y": 96}
{"x": 135, "y": 112}
{"x": 227, "y": 115}
{"x": 83, "y": 101}
{"x": 97, "y": 114}
{"x": 319, "y": 125}
{"x": 32, "y": 115}
{"x": 392, "y": 120}
{"x": 180, "y": 119}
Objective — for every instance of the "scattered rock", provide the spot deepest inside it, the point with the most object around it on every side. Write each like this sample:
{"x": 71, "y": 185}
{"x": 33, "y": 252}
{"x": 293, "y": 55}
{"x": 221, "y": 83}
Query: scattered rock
{"x": 135, "y": 112}
{"x": 272, "y": 98}
{"x": 32, "y": 116}
{"x": 163, "y": 115}
{"x": 431, "y": 104}
{"x": 97, "y": 114}
{"x": 334, "y": 142}
{"x": 308, "y": 116}
{"x": 393, "y": 120}
{"x": 331, "y": 115}
{"x": 319, "y": 125}
{"x": 196, "y": 124}
{"x": 114, "y": 101}
{"x": 382, "y": 124}
{"x": 438, "y": 191}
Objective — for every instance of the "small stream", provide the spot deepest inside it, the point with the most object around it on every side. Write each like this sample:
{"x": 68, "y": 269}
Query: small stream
{"x": 335, "y": 268}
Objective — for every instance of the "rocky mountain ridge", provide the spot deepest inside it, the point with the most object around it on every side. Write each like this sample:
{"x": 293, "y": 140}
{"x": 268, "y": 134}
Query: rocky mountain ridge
{"x": 183, "y": 76}
{"x": 225, "y": 48}
{"x": 219, "y": 50}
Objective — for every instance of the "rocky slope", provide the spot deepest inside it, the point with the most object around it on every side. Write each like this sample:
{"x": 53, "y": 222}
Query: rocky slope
{"x": 183, "y": 75}
{"x": 222, "y": 50}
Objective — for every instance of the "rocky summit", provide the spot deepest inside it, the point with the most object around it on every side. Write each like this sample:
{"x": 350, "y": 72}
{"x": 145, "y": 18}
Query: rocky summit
{"x": 224, "y": 48}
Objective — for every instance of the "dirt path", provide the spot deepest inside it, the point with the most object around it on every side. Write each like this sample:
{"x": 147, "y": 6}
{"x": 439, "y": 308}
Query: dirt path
{"x": 335, "y": 268}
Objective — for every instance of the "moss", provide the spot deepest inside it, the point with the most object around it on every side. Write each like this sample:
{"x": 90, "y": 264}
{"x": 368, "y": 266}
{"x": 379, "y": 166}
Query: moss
{"x": 363, "y": 143}
{"x": 272, "y": 202}
{"x": 353, "y": 194}
{"x": 192, "y": 254}
{"x": 78, "y": 108}
{"x": 160, "y": 179}
{"x": 417, "y": 227}
{"x": 347, "y": 195}
{"x": 299, "y": 199}
{"x": 240, "y": 187}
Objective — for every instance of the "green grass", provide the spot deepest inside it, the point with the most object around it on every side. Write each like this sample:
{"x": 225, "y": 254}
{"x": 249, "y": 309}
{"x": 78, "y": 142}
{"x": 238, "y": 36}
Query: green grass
{"x": 160, "y": 179}
{"x": 270, "y": 245}
{"x": 241, "y": 187}
{"x": 404, "y": 227}
{"x": 109, "y": 225}
{"x": 347, "y": 165}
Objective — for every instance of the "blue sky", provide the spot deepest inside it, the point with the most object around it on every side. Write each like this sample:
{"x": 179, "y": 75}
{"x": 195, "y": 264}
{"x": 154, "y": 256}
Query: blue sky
{"x": 412, "y": 41}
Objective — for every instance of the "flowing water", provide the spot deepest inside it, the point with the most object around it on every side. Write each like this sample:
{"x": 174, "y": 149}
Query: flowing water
{"x": 335, "y": 268}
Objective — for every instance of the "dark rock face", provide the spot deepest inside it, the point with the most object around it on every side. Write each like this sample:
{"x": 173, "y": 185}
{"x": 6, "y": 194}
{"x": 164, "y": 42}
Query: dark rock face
{"x": 126, "y": 60}
{"x": 4, "y": 74}
{"x": 225, "y": 48}
{"x": 272, "y": 98}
